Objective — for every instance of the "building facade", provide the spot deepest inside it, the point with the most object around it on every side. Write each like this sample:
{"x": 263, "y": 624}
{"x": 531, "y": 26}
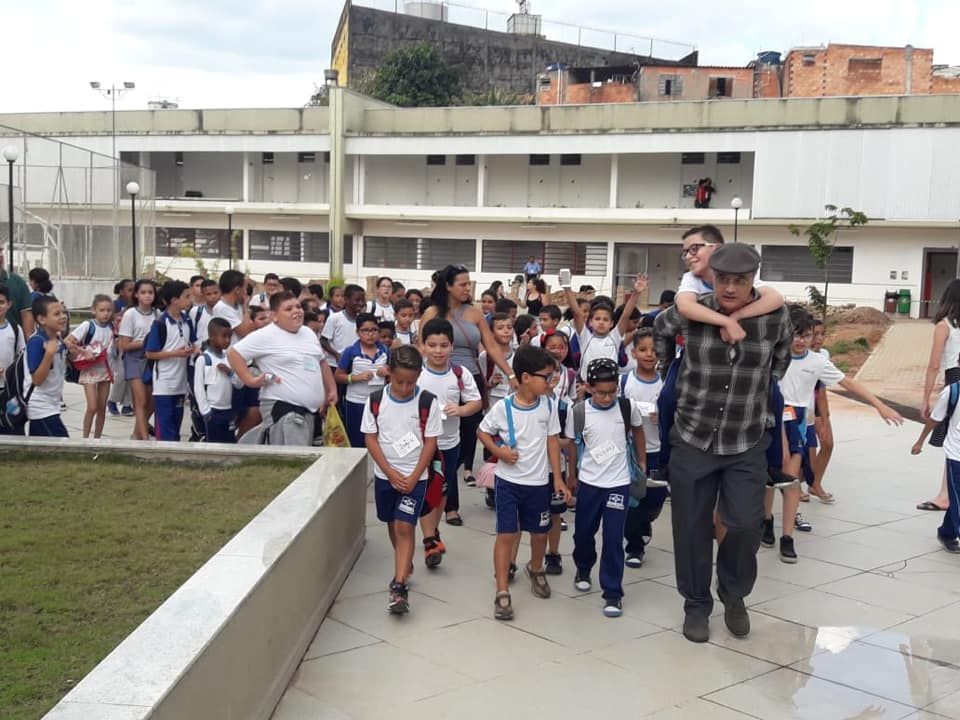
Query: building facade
{"x": 604, "y": 190}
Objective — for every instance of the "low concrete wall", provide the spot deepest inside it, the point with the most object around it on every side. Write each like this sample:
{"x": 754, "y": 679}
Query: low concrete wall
{"x": 226, "y": 643}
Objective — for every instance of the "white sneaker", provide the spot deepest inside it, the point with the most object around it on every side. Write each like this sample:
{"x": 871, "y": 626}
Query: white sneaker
{"x": 582, "y": 582}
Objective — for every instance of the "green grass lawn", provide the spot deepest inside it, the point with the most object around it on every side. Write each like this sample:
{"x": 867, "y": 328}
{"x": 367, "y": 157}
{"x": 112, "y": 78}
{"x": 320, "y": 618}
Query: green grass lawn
{"x": 89, "y": 548}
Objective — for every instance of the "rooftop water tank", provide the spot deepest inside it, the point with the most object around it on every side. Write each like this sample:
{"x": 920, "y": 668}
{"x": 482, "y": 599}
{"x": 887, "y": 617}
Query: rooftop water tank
{"x": 428, "y": 10}
{"x": 768, "y": 57}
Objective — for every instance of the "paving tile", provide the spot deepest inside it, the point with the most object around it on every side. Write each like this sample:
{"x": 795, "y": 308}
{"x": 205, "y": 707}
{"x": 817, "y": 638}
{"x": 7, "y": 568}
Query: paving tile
{"x": 890, "y": 593}
{"x": 947, "y": 707}
{"x": 334, "y": 637}
{"x": 934, "y": 636}
{"x": 777, "y": 641}
{"x": 817, "y": 609}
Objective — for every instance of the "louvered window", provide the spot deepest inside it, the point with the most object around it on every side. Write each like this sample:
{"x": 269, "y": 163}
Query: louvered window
{"x": 793, "y": 263}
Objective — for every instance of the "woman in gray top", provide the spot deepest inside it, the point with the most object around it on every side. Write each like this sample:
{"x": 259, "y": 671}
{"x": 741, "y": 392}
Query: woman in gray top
{"x": 450, "y": 300}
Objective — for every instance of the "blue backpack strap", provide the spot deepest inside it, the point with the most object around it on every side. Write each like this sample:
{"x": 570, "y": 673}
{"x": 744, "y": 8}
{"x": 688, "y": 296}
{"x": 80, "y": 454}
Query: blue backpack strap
{"x": 508, "y": 406}
{"x": 623, "y": 383}
{"x": 207, "y": 359}
{"x": 91, "y": 331}
{"x": 952, "y": 401}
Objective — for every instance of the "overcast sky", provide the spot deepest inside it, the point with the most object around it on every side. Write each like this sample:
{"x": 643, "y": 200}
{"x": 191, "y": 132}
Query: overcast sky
{"x": 269, "y": 53}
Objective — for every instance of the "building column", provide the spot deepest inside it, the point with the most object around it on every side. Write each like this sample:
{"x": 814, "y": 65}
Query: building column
{"x": 614, "y": 179}
{"x": 337, "y": 170}
{"x": 481, "y": 181}
{"x": 246, "y": 178}
{"x": 359, "y": 171}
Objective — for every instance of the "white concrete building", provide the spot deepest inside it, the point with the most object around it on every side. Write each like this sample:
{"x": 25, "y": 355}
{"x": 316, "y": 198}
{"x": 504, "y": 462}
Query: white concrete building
{"x": 602, "y": 189}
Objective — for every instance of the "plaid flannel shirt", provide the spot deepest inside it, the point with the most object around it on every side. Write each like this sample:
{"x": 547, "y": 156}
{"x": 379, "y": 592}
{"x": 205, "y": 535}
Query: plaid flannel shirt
{"x": 723, "y": 391}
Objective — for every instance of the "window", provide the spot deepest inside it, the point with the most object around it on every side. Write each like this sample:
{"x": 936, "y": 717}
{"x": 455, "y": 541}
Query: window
{"x": 865, "y": 68}
{"x": 267, "y": 158}
{"x": 326, "y": 157}
{"x": 418, "y": 253}
{"x": 295, "y": 246}
{"x": 306, "y": 157}
{"x": 721, "y": 87}
{"x": 506, "y": 256}
{"x": 809, "y": 59}
{"x": 466, "y": 159}
{"x": 728, "y": 158}
{"x": 539, "y": 160}
{"x": 793, "y": 263}
{"x": 204, "y": 242}
{"x": 570, "y": 159}
{"x": 436, "y": 159}
{"x": 670, "y": 85}
{"x": 692, "y": 158}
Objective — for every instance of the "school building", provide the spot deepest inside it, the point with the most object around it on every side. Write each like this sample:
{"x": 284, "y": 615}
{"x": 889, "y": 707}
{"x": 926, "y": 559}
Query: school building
{"x": 603, "y": 189}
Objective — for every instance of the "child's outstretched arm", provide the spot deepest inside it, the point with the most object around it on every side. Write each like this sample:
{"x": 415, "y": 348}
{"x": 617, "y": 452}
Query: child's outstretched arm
{"x": 688, "y": 306}
{"x": 890, "y": 416}
{"x": 639, "y": 285}
{"x": 578, "y": 319}
{"x": 928, "y": 427}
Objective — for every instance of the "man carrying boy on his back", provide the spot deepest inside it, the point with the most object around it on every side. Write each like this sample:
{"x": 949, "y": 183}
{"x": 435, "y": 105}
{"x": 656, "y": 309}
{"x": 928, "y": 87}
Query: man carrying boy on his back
{"x": 530, "y": 427}
{"x": 719, "y": 439}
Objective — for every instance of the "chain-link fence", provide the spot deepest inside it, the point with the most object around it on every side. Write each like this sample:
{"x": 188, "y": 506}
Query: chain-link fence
{"x": 72, "y": 211}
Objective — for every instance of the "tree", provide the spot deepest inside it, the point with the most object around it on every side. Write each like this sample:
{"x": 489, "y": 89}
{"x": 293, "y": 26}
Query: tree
{"x": 416, "y": 76}
{"x": 822, "y": 240}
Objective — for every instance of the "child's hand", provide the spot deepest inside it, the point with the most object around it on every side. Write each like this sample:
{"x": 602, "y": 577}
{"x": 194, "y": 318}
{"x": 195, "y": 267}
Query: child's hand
{"x": 383, "y": 372}
{"x": 917, "y": 447}
{"x": 732, "y": 333}
{"x": 51, "y": 346}
{"x": 224, "y": 368}
{"x": 561, "y": 489}
{"x": 571, "y": 485}
{"x": 508, "y": 455}
{"x": 890, "y": 416}
{"x": 451, "y": 410}
{"x": 640, "y": 283}
{"x": 495, "y": 379}
{"x": 396, "y": 480}
{"x": 409, "y": 483}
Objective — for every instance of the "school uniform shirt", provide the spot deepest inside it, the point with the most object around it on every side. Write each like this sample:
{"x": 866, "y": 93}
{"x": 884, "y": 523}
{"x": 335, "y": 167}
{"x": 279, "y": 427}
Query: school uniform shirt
{"x": 102, "y": 335}
{"x": 293, "y": 357}
{"x": 200, "y": 316}
{"x": 397, "y": 427}
{"x": 597, "y": 346}
{"x": 532, "y": 426}
{"x": 951, "y": 443}
{"x": 603, "y": 462}
{"x": 355, "y": 360}
{"x": 447, "y": 389}
{"x": 383, "y": 313}
{"x": 135, "y": 324}
{"x": 502, "y": 388}
{"x": 406, "y": 337}
{"x": 11, "y": 339}
{"x": 340, "y": 330}
{"x": 644, "y": 394}
{"x": 170, "y": 376}
{"x": 566, "y": 388}
{"x": 233, "y": 314}
{"x": 802, "y": 375}
{"x": 45, "y": 400}
{"x": 213, "y": 388}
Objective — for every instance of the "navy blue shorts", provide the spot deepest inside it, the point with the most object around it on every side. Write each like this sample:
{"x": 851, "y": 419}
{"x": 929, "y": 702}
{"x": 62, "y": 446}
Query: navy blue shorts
{"x": 812, "y": 441}
{"x": 796, "y": 429}
{"x": 522, "y": 507}
{"x": 243, "y": 398}
{"x": 558, "y": 506}
{"x": 393, "y": 505}
{"x": 51, "y": 426}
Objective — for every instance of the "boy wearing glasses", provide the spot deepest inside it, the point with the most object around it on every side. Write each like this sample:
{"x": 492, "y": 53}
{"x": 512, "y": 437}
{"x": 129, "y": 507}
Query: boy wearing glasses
{"x": 528, "y": 425}
{"x": 363, "y": 367}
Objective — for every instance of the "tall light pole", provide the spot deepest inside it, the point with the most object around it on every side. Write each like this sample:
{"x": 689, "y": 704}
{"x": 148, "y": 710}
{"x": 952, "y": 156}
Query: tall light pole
{"x": 113, "y": 93}
{"x": 736, "y": 203}
{"x": 337, "y": 161}
{"x": 229, "y": 211}
{"x": 10, "y": 154}
{"x": 133, "y": 188}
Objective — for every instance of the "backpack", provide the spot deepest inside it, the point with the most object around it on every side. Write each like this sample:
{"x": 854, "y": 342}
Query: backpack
{"x": 13, "y": 401}
{"x": 638, "y": 484}
{"x": 435, "y": 470}
{"x": 161, "y": 324}
{"x": 73, "y": 369}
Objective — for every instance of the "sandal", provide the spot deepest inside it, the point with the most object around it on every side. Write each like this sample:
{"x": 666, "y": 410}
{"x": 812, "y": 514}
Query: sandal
{"x": 469, "y": 480}
{"x": 804, "y": 497}
{"x": 502, "y": 606}
{"x": 456, "y": 520}
{"x": 538, "y": 582}
{"x": 930, "y": 505}
{"x": 826, "y": 498}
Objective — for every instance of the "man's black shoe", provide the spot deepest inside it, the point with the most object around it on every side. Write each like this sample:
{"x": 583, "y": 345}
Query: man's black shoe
{"x": 696, "y": 627}
{"x": 735, "y": 615}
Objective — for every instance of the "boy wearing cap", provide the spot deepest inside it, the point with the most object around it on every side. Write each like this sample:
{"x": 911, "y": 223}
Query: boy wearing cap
{"x": 604, "y": 480}
{"x": 719, "y": 438}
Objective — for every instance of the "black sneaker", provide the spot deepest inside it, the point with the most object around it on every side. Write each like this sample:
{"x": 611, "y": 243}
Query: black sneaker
{"x": 768, "y": 539}
{"x": 582, "y": 581}
{"x": 563, "y": 524}
{"x": 634, "y": 560}
{"x": 801, "y": 524}
{"x": 613, "y": 608}
{"x": 951, "y": 545}
{"x": 787, "y": 553}
{"x": 490, "y": 500}
{"x": 469, "y": 481}
{"x": 553, "y": 564}
{"x": 657, "y": 478}
{"x": 399, "y": 604}
{"x": 778, "y": 479}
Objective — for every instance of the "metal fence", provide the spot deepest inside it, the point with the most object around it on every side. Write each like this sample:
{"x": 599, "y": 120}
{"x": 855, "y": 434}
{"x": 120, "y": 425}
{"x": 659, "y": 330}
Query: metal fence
{"x": 550, "y": 29}
{"x": 72, "y": 212}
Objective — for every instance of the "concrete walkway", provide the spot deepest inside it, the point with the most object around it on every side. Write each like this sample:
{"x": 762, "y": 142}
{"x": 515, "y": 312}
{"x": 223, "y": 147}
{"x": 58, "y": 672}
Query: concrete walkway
{"x": 865, "y": 625}
{"x": 897, "y": 367}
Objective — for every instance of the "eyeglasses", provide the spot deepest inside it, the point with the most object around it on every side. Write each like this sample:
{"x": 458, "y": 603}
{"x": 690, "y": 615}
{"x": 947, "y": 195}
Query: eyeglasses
{"x": 694, "y": 249}
{"x": 545, "y": 378}
{"x": 368, "y": 330}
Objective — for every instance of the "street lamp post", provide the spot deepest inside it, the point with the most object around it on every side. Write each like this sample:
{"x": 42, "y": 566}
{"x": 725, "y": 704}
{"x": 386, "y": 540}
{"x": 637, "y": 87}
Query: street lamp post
{"x": 10, "y": 154}
{"x": 112, "y": 93}
{"x": 736, "y": 203}
{"x": 229, "y": 211}
{"x": 133, "y": 189}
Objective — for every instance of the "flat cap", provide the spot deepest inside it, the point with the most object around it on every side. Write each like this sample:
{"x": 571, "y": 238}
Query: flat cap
{"x": 734, "y": 259}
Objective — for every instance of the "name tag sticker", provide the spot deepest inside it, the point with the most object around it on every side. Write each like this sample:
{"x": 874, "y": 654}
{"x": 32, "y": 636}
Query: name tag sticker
{"x": 789, "y": 414}
{"x": 311, "y": 365}
{"x": 377, "y": 379}
{"x": 406, "y": 445}
{"x": 605, "y": 453}
{"x": 210, "y": 373}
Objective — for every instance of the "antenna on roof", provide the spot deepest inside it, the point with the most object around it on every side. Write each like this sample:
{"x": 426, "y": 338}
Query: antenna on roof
{"x": 524, "y": 6}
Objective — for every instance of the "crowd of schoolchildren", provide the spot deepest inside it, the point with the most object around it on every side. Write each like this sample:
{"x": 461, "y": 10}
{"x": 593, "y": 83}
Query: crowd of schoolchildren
{"x": 573, "y": 409}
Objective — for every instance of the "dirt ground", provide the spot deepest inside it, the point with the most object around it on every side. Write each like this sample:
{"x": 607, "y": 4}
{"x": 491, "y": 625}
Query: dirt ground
{"x": 847, "y": 325}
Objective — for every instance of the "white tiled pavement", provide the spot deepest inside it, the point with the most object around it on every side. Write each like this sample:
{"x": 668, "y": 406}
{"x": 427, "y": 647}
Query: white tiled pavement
{"x": 866, "y": 625}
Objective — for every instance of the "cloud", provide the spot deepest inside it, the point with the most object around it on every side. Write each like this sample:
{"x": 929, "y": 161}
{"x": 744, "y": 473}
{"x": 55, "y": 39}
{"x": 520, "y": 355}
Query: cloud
{"x": 215, "y": 53}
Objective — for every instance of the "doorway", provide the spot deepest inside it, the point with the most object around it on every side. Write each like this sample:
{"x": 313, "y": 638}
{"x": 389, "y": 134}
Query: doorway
{"x": 661, "y": 262}
{"x": 939, "y": 268}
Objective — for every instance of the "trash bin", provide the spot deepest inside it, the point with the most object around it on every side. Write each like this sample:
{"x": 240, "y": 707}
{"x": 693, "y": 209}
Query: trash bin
{"x": 890, "y": 301}
{"x": 903, "y": 303}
